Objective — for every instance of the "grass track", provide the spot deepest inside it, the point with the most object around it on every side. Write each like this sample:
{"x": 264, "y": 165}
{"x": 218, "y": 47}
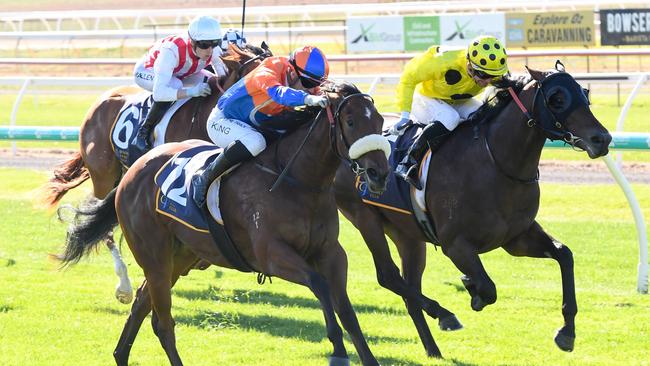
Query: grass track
{"x": 48, "y": 317}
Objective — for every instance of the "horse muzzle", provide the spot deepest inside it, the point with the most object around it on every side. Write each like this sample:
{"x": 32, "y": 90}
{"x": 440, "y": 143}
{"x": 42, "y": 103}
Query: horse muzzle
{"x": 596, "y": 145}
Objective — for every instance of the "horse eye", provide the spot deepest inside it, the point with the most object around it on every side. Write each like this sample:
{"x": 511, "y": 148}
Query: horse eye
{"x": 350, "y": 122}
{"x": 558, "y": 102}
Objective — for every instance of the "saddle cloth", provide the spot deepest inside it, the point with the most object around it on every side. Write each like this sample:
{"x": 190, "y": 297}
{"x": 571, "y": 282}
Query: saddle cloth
{"x": 128, "y": 122}
{"x": 174, "y": 182}
{"x": 397, "y": 196}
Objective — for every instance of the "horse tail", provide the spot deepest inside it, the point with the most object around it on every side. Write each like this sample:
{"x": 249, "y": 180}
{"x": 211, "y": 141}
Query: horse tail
{"x": 66, "y": 176}
{"x": 93, "y": 220}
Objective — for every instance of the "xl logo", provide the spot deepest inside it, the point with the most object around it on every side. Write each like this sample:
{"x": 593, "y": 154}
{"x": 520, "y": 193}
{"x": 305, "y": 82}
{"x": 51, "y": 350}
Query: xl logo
{"x": 459, "y": 31}
{"x": 364, "y": 34}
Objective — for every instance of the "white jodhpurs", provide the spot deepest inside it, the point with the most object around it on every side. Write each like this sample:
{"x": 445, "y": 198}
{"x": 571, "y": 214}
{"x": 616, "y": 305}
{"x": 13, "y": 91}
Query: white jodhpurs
{"x": 223, "y": 131}
{"x": 426, "y": 110}
{"x": 143, "y": 77}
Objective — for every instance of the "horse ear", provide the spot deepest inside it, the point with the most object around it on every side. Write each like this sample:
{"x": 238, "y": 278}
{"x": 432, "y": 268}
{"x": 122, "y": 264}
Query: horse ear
{"x": 559, "y": 66}
{"x": 535, "y": 74}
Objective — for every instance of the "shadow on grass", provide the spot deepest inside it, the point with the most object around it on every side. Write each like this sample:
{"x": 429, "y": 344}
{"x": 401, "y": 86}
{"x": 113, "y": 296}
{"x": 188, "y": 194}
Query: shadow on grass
{"x": 272, "y": 298}
{"x": 5, "y": 309}
{"x": 461, "y": 363}
{"x": 310, "y": 331}
{"x": 279, "y": 327}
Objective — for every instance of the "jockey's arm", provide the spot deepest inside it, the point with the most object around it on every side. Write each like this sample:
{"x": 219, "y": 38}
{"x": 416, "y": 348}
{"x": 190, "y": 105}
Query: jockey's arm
{"x": 417, "y": 70}
{"x": 268, "y": 81}
{"x": 163, "y": 69}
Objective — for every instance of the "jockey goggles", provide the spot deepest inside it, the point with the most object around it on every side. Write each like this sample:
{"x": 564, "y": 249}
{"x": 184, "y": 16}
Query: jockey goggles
{"x": 307, "y": 79}
{"x": 205, "y": 44}
{"x": 482, "y": 74}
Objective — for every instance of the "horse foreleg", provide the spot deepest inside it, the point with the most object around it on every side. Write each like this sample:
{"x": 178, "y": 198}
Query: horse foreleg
{"x": 369, "y": 224}
{"x": 123, "y": 290}
{"x": 476, "y": 280}
{"x": 334, "y": 266}
{"x": 538, "y": 244}
{"x": 282, "y": 261}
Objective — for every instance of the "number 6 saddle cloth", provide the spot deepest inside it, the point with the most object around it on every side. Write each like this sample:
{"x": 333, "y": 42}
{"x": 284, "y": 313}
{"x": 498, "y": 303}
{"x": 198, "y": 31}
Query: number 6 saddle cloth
{"x": 128, "y": 122}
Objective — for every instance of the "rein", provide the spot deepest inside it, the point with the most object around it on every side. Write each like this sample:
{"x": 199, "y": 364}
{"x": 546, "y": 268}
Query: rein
{"x": 333, "y": 118}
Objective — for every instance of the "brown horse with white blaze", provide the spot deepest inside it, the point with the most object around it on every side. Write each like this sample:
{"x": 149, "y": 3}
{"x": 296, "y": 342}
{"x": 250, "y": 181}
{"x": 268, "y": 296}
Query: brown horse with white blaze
{"x": 289, "y": 233}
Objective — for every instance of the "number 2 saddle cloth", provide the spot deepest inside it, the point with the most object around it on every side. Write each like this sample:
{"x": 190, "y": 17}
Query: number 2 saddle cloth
{"x": 174, "y": 182}
{"x": 128, "y": 122}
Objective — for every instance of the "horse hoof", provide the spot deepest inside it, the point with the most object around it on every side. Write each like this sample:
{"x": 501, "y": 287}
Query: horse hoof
{"x": 449, "y": 323}
{"x": 339, "y": 361}
{"x": 125, "y": 297}
{"x": 564, "y": 341}
{"x": 477, "y": 303}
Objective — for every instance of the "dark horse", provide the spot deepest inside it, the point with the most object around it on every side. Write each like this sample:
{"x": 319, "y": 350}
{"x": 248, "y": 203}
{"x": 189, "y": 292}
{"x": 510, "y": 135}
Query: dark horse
{"x": 97, "y": 160}
{"x": 482, "y": 193}
{"x": 291, "y": 232}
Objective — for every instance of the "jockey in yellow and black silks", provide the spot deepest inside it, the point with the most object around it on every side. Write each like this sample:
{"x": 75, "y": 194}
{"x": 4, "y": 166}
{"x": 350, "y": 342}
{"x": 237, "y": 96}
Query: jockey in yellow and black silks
{"x": 437, "y": 89}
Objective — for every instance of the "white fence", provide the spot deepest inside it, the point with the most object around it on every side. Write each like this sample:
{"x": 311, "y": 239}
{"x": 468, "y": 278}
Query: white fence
{"x": 53, "y": 20}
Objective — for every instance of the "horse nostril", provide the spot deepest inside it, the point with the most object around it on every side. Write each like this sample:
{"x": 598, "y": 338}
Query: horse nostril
{"x": 597, "y": 139}
{"x": 372, "y": 173}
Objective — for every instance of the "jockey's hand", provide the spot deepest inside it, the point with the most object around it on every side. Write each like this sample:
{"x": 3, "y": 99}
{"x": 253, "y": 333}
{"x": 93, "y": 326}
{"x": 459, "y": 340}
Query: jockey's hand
{"x": 399, "y": 127}
{"x": 199, "y": 90}
{"x": 316, "y": 100}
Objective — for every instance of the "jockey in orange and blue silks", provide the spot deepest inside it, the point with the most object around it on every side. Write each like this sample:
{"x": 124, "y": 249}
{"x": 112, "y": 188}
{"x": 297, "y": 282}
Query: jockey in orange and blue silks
{"x": 276, "y": 85}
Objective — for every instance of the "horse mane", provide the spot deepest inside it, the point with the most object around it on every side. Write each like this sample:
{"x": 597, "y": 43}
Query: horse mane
{"x": 342, "y": 88}
{"x": 498, "y": 97}
{"x": 237, "y": 54}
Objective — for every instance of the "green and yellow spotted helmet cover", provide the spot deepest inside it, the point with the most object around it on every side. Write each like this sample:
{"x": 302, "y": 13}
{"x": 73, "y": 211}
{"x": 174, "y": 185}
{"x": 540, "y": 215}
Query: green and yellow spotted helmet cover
{"x": 487, "y": 54}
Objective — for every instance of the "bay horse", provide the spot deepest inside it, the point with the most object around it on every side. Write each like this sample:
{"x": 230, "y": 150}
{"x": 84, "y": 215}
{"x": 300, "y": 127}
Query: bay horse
{"x": 290, "y": 233}
{"x": 482, "y": 193}
{"x": 97, "y": 160}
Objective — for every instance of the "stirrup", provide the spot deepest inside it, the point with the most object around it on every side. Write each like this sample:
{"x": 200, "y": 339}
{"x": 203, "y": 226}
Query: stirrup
{"x": 142, "y": 141}
{"x": 200, "y": 189}
{"x": 410, "y": 175}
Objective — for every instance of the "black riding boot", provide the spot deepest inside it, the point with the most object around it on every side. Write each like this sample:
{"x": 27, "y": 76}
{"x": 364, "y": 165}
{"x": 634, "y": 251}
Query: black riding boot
{"x": 232, "y": 155}
{"x": 432, "y": 136}
{"x": 156, "y": 112}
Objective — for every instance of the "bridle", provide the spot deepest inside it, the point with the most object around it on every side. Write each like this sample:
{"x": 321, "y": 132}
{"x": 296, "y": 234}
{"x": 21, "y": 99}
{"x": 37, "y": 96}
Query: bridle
{"x": 333, "y": 119}
{"x": 552, "y": 123}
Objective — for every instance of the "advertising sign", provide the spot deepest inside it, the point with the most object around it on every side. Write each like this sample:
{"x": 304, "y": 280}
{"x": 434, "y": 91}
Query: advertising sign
{"x": 551, "y": 29}
{"x": 458, "y": 30}
{"x": 625, "y": 27}
{"x": 421, "y": 32}
{"x": 375, "y": 34}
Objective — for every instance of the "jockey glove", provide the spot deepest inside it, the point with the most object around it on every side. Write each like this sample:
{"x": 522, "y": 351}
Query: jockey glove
{"x": 399, "y": 127}
{"x": 198, "y": 90}
{"x": 316, "y": 100}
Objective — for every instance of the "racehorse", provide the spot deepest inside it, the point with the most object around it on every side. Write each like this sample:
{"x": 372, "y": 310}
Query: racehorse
{"x": 482, "y": 193}
{"x": 97, "y": 160}
{"x": 290, "y": 233}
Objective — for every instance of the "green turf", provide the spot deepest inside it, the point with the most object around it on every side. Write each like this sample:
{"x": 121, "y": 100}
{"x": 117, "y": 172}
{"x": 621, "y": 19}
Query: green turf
{"x": 51, "y": 317}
